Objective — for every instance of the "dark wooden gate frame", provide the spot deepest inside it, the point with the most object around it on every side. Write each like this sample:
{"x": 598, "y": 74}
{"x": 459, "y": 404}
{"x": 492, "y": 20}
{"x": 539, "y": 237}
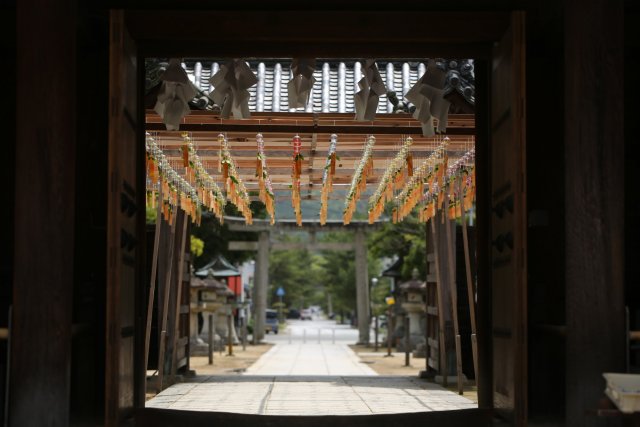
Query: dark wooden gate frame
{"x": 349, "y": 35}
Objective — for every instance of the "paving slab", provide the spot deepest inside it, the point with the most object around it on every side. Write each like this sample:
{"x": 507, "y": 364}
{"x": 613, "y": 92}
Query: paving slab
{"x": 304, "y": 378}
{"x": 311, "y": 395}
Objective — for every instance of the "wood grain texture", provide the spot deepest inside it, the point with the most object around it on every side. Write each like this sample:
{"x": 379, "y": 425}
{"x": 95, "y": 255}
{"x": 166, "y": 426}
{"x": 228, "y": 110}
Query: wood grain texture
{"x": 351, "y": 34}
{"x": 594, "y": 201}
{"x": 44, "y": 215}
{"x": 508, "y": 225}
{"x": 483, "y": 217}
{"x": 124, "y": 262}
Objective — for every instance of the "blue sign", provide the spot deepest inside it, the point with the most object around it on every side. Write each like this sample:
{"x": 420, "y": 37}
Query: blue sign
{"x": 280, "y": 292}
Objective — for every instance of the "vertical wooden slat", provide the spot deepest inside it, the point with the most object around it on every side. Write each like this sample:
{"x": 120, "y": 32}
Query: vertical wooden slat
{"x": 470, "y": 294}
{"x": 165, "y": 301}
{"x": 453, "y": 289}
{"x": 440, "y": 297}
{"x": 483, "y": 235}
{"x": 508, "y": 225}
{"x": 123, "y": 233}
{"x": 176, "y": 330}
{"x": 152, "y": 284}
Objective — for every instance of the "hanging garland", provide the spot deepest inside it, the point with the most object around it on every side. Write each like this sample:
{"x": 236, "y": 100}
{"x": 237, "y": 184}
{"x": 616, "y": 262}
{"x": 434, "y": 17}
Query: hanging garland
{"x": 393, "y": 178}
{"x": 236, "y": 191}
{"x": 208, "y": 190}
{"x": 327, "y": 178}
{"x": 295, "y": 176}
{"x": 266, "y": 194}
{"x": 359, "y": 181}
{"x": 459, "y": 187}
{"x": 430, "y": 171}
{"x": 461, "y": 183}
{"x": 176, "y": 191}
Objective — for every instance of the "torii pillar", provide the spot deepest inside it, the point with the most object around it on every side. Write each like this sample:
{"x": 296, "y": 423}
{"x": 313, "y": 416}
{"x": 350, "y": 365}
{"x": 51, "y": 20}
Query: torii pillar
{"x": 362, "y": 287}
{"x": 260, "y": 286}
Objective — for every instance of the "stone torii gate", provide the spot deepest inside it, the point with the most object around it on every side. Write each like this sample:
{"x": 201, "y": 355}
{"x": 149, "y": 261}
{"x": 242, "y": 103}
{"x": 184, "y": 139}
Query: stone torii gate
{"x": 264, "y": 245}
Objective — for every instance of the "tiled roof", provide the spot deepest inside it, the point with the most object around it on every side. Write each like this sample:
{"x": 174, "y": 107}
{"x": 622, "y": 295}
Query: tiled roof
{"x": 336, "y": 82}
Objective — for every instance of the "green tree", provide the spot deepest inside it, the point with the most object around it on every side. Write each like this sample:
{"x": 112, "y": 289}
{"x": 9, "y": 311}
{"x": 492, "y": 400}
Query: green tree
{"x": 216, "y": 236}
{"x": 406, "y": 239}
{"x": 197, "y": 246}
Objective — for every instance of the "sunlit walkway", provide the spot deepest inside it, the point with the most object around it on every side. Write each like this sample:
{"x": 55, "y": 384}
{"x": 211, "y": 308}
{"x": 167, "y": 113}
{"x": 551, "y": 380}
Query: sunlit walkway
{"x": 309, "y": 395}
{"x": 310, "y": 371}
{"x": 309, "y": 359}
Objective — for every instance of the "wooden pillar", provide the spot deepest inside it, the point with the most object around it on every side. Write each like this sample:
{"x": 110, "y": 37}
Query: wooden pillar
{"x": 483, "y": 236}
{"x": 261, "y": 285}
{"x": 362, "y": 287}
{"x": 594, "y": 202}
{"x": 44, "y": 214}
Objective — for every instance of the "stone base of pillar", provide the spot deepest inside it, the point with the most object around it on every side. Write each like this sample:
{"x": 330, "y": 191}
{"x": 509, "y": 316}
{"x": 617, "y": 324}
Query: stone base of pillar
{"x": 199, "y": 347}
{"x": 414, "y": 342}
{"x": 420, "y": 351}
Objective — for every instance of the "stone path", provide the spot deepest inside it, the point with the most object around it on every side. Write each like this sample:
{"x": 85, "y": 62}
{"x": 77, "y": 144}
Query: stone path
{"x": 309, "y": 359}
{"x": 309, "y": 379}
{"x": 309, "y": 395}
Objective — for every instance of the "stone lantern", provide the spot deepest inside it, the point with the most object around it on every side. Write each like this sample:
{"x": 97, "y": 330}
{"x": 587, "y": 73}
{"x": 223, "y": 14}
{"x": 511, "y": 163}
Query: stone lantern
{"x": 209, "y": 296}
{"x": 413, "y": 295}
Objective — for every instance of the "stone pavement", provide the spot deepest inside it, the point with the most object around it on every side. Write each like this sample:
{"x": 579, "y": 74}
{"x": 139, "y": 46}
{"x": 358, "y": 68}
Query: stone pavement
{"x": 309, "y": 395}
{"x": 309, "y": 359}
{"x": 309, "y": 379}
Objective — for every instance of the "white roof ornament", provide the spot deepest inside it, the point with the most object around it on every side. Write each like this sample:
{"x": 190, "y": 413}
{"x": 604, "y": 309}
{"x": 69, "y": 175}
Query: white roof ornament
{"x": 174, "y": 95}
{"x": 371, "y": 88}
{"x": 230, "y": 88}
{"x": 301, "y": 84}
{"x": 428, "y": 97}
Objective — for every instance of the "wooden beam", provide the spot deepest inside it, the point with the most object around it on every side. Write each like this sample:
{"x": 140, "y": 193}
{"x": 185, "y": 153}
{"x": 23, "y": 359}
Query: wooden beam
{"x": 451, "y": 258}
{"x": 243, "y": 246}
{"x": 152, "y": 284}
{"x": 165, "y": 301}
{"x": 337, "y": 129}
{"x": 176, "y": 319}
{"x": 287, "y": 246}
{"x": 440, "y": 297}
{"x": 238, "y": 224}
{"x": 345, "y": 34}
{"x": 470, "y": 292}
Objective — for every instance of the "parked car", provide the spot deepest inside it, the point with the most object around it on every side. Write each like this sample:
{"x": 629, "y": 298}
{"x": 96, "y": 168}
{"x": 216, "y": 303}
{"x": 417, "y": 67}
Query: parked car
{"x": 305, "y": 314}
{"x": 271, "y": 322}
{"x": 293, "y": 314}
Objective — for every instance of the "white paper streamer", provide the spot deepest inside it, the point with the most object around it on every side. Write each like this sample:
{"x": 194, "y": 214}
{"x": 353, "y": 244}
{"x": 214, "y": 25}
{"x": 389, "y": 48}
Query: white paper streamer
{"x": 371, "y": 88}
{"x": 300, "y": 85}
{"x": 428, "y": 97}
{"x": 230, "y": 88}
{"x": 174, "y": 95}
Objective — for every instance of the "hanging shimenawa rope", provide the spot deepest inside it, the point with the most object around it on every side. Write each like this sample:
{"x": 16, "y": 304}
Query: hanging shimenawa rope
{"x": 359, "y": 181}
{"x": 428, "y": 172}
{"x": 266, "y": 194}
{"x": 295, "y": 176}
{"x": 208, "y": 190}
{"x": 176, "y": 191}
{"x": 327, "y": 178}
{"x": 236, "y": 191}
{"x": 393, "y": 178}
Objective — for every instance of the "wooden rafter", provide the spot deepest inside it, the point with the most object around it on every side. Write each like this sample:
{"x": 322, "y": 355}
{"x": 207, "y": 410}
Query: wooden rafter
{"x": 315, "y": 132}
